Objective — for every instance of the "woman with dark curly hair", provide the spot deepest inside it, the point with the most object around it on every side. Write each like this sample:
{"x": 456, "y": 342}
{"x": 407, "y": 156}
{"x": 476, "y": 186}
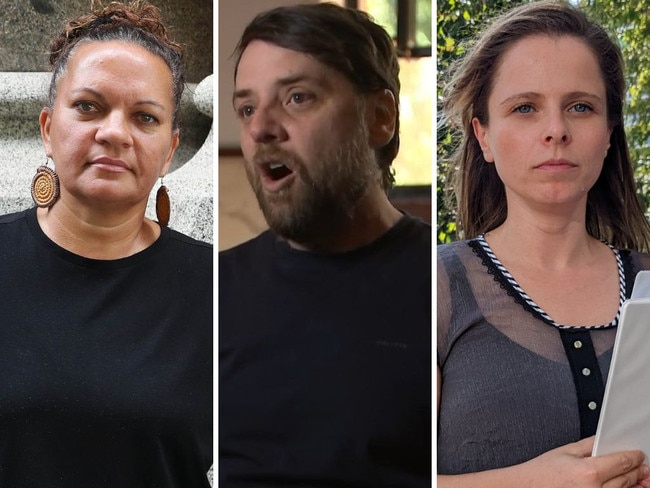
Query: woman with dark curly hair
{"x": 106, "y": 361}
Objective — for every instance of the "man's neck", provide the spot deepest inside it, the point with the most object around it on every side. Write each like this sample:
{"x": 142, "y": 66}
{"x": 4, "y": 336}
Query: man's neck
{"x": 372, "y": 217}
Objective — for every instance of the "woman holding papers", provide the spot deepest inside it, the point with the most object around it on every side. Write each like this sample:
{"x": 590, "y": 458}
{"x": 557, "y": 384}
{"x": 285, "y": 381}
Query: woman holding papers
{"x": 528, "y": 305}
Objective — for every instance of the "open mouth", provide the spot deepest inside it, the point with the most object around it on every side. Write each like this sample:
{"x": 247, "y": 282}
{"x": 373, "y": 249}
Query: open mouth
{"x": 277, "y": 171}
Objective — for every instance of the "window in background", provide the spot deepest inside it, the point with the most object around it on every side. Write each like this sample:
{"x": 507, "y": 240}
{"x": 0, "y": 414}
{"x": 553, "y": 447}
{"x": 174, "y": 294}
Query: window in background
{"x": 409, "y": 23}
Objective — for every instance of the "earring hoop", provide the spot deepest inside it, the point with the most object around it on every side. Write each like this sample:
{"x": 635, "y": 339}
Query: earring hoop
{"x": 45, "y": 187}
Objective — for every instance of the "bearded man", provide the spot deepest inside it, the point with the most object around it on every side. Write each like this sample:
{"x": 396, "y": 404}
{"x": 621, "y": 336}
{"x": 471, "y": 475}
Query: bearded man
{"x": 324, "y": 319}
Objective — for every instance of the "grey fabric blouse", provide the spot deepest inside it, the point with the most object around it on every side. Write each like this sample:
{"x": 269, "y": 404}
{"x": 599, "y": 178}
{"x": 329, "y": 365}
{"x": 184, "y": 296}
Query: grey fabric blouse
{"x": 514, "y": 383}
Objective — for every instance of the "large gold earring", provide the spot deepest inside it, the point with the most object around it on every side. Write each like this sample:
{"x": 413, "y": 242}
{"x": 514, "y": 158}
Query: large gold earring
{"x": 45, "y": 187}
{"x": 162, "y": 205}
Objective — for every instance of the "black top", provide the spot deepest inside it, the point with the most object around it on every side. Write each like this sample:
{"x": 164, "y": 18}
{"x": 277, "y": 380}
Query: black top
{"x": 325, "y": 363}
{"x": 106, "y": 364}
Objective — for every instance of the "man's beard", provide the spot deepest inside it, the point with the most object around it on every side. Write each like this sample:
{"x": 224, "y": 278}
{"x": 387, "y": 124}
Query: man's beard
{"x": 323, "y": 197}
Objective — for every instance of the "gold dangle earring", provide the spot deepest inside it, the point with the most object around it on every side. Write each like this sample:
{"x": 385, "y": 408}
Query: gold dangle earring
{"x": 162, "y": 204}
{"x": 45, "y": 186}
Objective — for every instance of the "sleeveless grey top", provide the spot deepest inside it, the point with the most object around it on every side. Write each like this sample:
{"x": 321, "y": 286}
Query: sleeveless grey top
{"x": 515, "y": 384}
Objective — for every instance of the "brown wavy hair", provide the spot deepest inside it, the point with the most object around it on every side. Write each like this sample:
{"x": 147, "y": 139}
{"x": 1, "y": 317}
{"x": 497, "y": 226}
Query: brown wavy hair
{"x": 137, "y": 22}
{"x": 614, "y": 213}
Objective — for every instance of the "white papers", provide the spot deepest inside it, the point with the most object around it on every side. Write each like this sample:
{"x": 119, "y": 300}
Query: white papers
{"x": 641, "y": 288}
{"x": 624, "y": 421}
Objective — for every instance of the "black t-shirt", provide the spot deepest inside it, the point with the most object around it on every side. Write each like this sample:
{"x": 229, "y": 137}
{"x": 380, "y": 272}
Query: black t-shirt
{"x": 105, "y": 365}
{"x": 325, "y": 363}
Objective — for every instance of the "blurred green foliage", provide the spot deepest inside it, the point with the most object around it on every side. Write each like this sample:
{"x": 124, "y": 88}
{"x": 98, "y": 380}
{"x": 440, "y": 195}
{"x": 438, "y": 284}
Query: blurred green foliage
{"x": 385, "y": 13}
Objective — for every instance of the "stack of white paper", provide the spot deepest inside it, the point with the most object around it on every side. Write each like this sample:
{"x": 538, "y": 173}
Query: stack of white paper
{"x": 624, "y": 421}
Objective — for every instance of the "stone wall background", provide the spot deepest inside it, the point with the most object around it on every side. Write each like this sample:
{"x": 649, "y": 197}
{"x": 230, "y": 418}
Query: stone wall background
{"x": 28, "y": 25}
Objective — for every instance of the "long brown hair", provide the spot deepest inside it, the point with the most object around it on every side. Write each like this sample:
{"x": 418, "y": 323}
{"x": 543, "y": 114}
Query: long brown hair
{"x": 614, "y": 213}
